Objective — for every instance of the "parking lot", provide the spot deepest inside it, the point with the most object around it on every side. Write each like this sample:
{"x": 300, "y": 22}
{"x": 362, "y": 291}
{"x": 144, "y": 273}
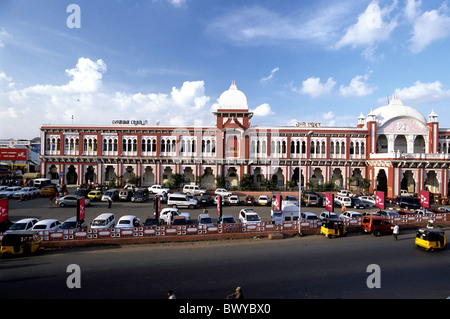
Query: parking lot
{"x": 40, "y": 208}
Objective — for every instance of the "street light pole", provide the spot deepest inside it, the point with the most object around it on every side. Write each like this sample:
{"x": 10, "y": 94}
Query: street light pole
{"x": 300, "y": 188}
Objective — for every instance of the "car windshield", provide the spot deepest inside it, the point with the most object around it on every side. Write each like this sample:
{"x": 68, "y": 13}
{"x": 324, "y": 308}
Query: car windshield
{"x": 228, "y": 220}
{"x": 277, "y": 213}
{"x": 98, "y": 222}
{"x": 39, "y": 227}
{"x": 69, "y": 225}
{"x": 253, "y": 218}
{"x": 206, "y": 221}
{"x": 18, "y": 226}
{"x": 124, "y": 222}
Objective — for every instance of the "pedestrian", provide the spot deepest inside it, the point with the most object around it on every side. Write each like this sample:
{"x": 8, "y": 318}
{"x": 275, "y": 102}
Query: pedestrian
{"x": 171, "y": 294}
{"x": 169, "y": 218}
{"x": 237, "y": 294}
{"x": 109, "y": 202}
{"x": 396, "y": 231}
{"x": 343, "y": 209}
{"x": 50, "y": 199}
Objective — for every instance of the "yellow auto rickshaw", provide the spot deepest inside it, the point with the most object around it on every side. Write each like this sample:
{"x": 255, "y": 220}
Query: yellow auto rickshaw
{"x": 20, "y": 242}
{"x": 430, "y": 239}
{"x": 332, "y": 227}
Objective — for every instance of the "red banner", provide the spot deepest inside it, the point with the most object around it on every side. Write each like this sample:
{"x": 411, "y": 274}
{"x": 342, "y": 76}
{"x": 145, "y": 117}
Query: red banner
{"x": 219, "y": 205}
{"x": 379, "y": 199}
{"x": 3, "y": 210}
{"x": 81, "y": 207}
{"x": 277, "y": 202}
{"x": 425, "y": 199}
{"x": 13, "y": 154}
{"x": 329, "y": 202}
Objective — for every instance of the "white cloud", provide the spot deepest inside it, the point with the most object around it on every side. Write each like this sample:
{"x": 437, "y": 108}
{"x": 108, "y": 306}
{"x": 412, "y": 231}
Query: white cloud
{"x": 177, "y": 3}
{"x": 423, "y": 93}
{"x": 314, "y": 88}
{"x": 263, "y": 110}
{"x": 357, "y": 87}
{"x": 372, "y": 26}
{"x": 24, "y": 110}
{"x": 428, "y": 27}
{"x": 4, "y": 36}
{"x": 329, "y": 115}
{"x": 270, "y": 76}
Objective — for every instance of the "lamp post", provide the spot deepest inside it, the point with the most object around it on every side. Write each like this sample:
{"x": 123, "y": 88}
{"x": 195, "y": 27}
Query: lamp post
{"x": 300, "y": 189}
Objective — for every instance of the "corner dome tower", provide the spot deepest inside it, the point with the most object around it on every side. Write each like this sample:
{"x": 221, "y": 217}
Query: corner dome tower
{"x": 396, "y": 109}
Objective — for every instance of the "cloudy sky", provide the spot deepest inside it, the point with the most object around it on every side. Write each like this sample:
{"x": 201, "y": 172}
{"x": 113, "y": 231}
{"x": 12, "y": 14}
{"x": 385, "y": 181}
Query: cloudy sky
{"x": 169, "y": 60}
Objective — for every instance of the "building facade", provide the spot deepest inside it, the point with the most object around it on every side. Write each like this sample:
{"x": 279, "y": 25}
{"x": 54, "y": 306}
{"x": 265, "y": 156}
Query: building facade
{"x": 395, "y": 147}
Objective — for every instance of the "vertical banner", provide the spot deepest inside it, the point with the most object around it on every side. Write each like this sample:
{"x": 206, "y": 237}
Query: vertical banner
{"x": 425, "y": 199}
{"x": 379, "y": 199}
{"x": 80, "y": 209}
{"x": 277, "y": 202}
{"x": 159, "y": 207}
{"x": 3, "y": 210}
{"x": 329, "y": 202}
{"x": 219, "y": 206}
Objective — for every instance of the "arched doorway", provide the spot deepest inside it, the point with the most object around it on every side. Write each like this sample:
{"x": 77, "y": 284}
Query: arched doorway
{"x": 400, "y": 144}
{"x": 148, "y": 177}
{"x": 71, "y": 176}
{"x": 407, "y": 183}
{"x": 337, "y": 178}
{"x": 382, "y": 181}
{"x": 90, "y": 176}
{"x": 432, "y": 183}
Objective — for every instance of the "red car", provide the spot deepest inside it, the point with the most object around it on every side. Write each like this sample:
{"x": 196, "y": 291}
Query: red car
{"x": 249, "y": 200}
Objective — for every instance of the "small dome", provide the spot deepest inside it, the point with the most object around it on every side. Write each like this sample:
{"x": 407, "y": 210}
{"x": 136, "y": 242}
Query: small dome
{"x": 233, "y": 99}
{"x": 396, "y": 109}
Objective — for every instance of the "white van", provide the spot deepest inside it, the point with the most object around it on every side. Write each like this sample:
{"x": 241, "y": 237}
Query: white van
{"x": 39, "y": 182}
{"x": 105, "y": 220}
{"x": 181, "y": 200}
{"x": 288, "y": 214}
{"x": 193, "y": 190}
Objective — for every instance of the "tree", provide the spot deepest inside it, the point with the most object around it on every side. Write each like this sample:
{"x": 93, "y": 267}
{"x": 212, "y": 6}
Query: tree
{"x": 176, "y": 180}
{"x": 220, "y": 181}
{"x": 246, "y": 182}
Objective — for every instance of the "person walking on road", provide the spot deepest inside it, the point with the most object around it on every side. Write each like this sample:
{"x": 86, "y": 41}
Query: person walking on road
{"x": 237, "y": 294}
{"x": 171, "y": 294}
{"x": 396, "y": 231}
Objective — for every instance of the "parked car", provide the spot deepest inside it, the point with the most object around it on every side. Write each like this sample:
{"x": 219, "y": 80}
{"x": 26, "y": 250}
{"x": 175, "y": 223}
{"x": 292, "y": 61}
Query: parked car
{"x": 140, "y": 196}
{"x": 224, "y": 201}
{"x": 179, "y": 221}
{"x": 206, "y": 200}
{"x": 163, "y": 197}
{"x": 227, "y": 219}
{"x": 193, "y": 190}
{"x": 444, "y": 209}
{"x": 72, "y": 223}
{"x": 105, "y": 220}
{"x": 345, "y": 193}
{"x": 151, "y": 221}
{"x": 407, "y": 202}
{"x": 47, "y": 224}
{"x": 367, "y": 199}
{"x": 309, "y": 216}
{"x": 131, "y": 187}
{"x": 23, "y": 224}
{"x": 249, "y": 200}
{"x": 310, "y": 199}
{"x": 70, "y": 200}
{"x": 182, "y": 200}
{"x": 205, "y": 220}
{"x": 328, "y": 215}
{"x": 249, "y": 216}
{"x": 158, "y": 189}
{"x": 358, "y": 203}
{"x": 95, "y": 195}
{"x": 290, "y": 200}
{"x": 343, "y": 201}
{"x": 234, "y": 200}
{"x": 48, "y": 190}
{"x": 350, "y": 214}
{"x": 174, "y": 211}
{"x": 223, "y": 192}
{"x": 263, "y": 200}
{"x": 26, "y": 193}
{"x": 125, "y": 195}
{"x": 376, "y": 225}
{"x": 387, "y": 213}
{"x": 128, "y": 221}
{"x": 112, "y": 194}
{"x": 9, "y": 192}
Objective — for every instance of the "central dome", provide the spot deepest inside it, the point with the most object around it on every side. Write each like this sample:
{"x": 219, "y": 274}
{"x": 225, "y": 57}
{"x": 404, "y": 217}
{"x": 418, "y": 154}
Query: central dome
{"x": 396, "y": 109}
{"x": 233, "y": 99}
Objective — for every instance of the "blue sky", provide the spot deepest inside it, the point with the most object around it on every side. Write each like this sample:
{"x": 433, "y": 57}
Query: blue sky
{"x": 169, "y": 60}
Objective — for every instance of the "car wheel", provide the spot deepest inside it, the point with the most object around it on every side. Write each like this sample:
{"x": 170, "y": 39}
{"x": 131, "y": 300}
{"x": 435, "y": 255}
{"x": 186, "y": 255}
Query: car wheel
{"x": 174, "y": 206}
{"x": 191, "y": 206}
{"x": 61, "y": 205}
{"x": 377, "y": 233}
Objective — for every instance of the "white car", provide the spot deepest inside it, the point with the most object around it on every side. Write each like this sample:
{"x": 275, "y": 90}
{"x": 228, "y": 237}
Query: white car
{"x": 24, "y": 224}
{"x": 223, "y": 192}
{"x": 9, "y": 192}
{"x": 233, "y": 200}
{"x": 47, "y": 224}
{"x": 128, "y": 221}
{"x": 174, "y": 211}
{"x": 309, "y": 216}
{"x": 350, "y": 214}
{"x": 249, "y": 216}
{"x": 27, "y": 192}
{"x": 263, "y": 200}
{"x": 158, "y": 189}
{"x": 328, "y": 215}
{"x": 205, "y": 220}
{"x": 367, "y": 199}
{"x": 72, "y": 223}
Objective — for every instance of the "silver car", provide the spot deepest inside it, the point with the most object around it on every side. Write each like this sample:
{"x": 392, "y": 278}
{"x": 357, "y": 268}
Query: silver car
{"x": 71, "y": 200}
